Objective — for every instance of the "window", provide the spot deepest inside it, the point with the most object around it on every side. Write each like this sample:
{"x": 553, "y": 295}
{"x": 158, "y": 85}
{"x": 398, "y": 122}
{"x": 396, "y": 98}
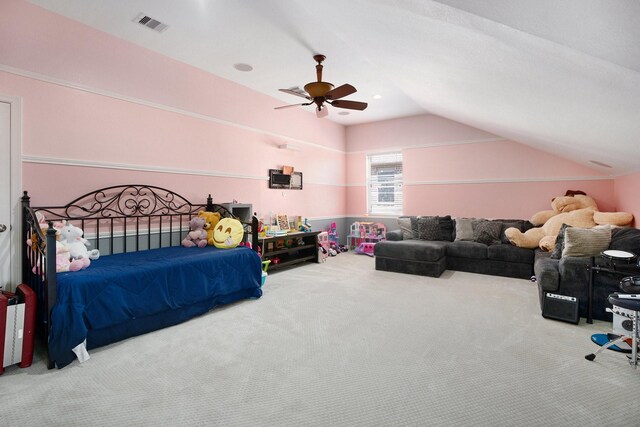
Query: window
{"x": 384, "y": 183}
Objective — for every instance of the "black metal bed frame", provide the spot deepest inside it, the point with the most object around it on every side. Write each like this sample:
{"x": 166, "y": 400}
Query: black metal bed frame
{"x": 124, "y": 212}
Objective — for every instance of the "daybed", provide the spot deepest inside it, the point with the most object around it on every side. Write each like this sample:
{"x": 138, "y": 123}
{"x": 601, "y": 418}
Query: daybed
{"x": 143, "y": 280}
{"x": 452, "y": 246}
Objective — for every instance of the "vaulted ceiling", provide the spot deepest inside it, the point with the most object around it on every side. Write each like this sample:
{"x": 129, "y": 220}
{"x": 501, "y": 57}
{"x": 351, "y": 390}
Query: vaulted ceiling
{"x": 559, "y": 75}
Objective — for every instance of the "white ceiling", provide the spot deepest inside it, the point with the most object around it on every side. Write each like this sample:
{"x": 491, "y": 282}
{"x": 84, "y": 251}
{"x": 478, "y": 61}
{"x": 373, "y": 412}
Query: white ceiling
{"x": 559, "y": 75}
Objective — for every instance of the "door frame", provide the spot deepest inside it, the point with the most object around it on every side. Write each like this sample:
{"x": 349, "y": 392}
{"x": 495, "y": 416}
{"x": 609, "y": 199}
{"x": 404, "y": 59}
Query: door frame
{"x": 15, "y": 106}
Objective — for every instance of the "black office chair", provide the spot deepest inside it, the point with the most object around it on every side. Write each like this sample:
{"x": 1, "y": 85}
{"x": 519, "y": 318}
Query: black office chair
{"x": 629, "y": 300}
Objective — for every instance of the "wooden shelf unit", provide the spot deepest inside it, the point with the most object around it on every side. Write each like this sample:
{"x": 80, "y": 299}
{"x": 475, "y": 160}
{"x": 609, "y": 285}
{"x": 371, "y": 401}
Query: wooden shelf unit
{"x": 293, "y": 254}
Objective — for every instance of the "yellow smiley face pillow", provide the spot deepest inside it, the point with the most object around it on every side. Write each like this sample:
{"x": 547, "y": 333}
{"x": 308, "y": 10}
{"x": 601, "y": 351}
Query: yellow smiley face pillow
{"x": 228, "y": 233}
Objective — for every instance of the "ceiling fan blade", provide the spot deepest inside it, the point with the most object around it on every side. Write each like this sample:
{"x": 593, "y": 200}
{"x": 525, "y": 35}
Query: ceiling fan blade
{"x": 322, "y": 113}
{"x": 340, "y": 92}
{"x": 293, "y": 92}
{"x": 351, "y": 105}
{"x": 292, "y": 105}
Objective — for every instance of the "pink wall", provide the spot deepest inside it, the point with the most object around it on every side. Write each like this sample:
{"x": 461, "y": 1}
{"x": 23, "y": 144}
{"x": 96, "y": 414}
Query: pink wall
{"x": 100, "y": 111}
{"x": 450, "y": 168}
{"x": 627, "y": 194}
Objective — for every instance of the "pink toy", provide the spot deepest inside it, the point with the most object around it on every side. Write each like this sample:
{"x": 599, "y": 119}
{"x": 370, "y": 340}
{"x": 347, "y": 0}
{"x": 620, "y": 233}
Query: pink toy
{"x": 365, "y": 249}
{"x": 323, "y": 240}
{"x": 333, "y": 233}
{"x": 64, "y": 260}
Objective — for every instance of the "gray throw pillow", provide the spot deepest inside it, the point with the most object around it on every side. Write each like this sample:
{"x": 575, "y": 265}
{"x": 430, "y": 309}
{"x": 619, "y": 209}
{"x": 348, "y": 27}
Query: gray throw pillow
{"x": 405, "y": 226}
{"x": 447, "y": 228}
{"x": 557, "y": 251}
{"x": 508, "y": 223}
{"x": 464, "y": 228}
{"x": 487, "y": 232}
{"x": 414, "y": 226}
{"x": 429, "y": 228}
{"x": 586, "y": 241}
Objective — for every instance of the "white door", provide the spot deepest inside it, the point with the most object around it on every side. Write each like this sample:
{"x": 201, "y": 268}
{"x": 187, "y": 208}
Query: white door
{"x": 6, "y": 241}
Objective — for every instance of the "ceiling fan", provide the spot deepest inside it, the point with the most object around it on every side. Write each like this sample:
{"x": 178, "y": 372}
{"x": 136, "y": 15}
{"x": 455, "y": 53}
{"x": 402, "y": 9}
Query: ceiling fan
{"x": 321, "y": 93}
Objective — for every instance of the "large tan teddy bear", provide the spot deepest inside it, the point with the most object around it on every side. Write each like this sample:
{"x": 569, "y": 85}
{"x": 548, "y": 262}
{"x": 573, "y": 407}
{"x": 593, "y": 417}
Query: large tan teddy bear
{"x": 575, "y": 209}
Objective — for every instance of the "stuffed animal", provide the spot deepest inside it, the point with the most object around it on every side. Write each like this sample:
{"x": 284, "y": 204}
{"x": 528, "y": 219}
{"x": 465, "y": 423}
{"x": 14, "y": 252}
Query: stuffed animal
{"x": 71, "y": 236}
{"x": 197, "y": 235}
{"x": 228, "y": 233}
{"x": 571, "y": 201}
{"x": 577, "y": 210}
{"x": 64, "y": 262}
{"x": 211, "y": 219}
{"x": 44, "y": 226}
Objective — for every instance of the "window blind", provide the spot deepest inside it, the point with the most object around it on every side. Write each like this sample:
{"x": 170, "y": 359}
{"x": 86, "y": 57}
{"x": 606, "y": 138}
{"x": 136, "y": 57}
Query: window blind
{"x": 384, "y": 182}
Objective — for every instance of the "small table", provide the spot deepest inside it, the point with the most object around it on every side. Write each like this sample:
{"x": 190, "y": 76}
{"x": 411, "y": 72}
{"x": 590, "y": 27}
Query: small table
{"x": 612, "y": 258}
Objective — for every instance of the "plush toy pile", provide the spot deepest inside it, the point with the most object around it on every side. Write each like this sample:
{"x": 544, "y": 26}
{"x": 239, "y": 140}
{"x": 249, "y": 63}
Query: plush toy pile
{"x": 71, "y": 247}
{"x": 576, "y": 209}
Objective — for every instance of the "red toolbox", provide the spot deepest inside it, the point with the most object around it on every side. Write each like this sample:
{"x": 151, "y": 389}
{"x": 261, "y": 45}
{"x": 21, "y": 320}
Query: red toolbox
{"x": 17, "y": 327}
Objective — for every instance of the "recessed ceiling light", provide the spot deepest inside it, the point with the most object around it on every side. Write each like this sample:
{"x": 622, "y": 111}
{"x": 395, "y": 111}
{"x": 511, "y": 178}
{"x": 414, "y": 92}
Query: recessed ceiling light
{"x": 377, "y": 96}
{"x": 243, "y": 67}
{"x": 604, "y": 165}
{"x": 344, "y": 113}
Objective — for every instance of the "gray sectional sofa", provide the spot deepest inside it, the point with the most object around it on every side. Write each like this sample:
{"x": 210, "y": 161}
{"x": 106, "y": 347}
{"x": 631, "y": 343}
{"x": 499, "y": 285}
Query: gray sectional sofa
{"x": 415, "y": 255}
{"x": 569, "y": 275}
{"x": 405, "y": 252}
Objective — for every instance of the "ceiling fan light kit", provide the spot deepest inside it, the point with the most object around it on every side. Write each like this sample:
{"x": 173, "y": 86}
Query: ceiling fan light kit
{"x": 324, "y": 93}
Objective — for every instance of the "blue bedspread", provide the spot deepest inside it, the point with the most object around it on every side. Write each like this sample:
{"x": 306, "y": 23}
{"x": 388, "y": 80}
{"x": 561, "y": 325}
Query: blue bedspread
{"x": 144, "y": 291}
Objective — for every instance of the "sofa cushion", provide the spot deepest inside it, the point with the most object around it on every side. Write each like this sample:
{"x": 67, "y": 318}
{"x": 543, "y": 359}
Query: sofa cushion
{"x": 574, "y": 272}
{"x": 447, "y": 228}
{"x": 625, "y": 239}
{"x": 487, "y": 232}
{"x": 394, "y": 235}
{"x": 414, "y": 226}
{"x": 405, "y": 226}
{"x": 508, "y": 223}
{"x": 429, "y": 228}
{"x": 557, "y": 251}
{"x": 510, "y": 253}
{"x": 466, "y": 249}
{"x": 546, "y": 272}
{"x": 414, "y": 250}
{"x": 585, "y": 242}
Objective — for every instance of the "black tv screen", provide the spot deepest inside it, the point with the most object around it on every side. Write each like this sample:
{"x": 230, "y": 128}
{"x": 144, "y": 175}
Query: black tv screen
{"x": 280, "y": 179}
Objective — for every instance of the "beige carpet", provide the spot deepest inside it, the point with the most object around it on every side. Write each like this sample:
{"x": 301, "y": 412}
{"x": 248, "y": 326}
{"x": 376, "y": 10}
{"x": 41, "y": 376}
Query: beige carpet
{"x": 340, "y": 344}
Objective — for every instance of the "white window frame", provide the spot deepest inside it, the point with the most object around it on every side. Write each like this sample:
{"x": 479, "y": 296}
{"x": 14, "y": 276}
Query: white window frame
{"x": 374, "y": 205}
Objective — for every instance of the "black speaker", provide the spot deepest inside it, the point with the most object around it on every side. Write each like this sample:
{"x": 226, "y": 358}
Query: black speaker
{"x": 560, "y": 307}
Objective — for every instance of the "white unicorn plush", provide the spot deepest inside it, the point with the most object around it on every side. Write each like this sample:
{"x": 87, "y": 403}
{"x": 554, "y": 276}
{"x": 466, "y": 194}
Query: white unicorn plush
{"x": 71, "y": 236}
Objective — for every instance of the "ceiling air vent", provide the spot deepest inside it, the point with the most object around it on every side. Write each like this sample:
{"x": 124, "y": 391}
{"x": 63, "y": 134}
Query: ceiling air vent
{"x": 149, "y": 22}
